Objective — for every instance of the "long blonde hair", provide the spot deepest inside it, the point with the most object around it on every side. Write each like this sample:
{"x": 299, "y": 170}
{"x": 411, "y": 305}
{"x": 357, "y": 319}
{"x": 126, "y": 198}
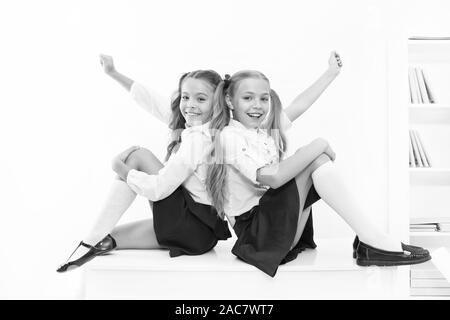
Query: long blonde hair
{"x": 215, "y": 182}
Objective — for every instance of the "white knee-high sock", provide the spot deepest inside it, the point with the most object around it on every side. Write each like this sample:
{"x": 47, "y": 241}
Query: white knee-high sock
{"x": 119, "y": 199}
{"x": 334, "y": 190}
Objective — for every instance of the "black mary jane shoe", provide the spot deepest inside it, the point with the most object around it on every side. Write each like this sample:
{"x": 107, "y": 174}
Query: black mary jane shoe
{"x": 370, "y": 256}
{"x": 104, "y": 246}
{"x": 406, "y": 247}
{"x": 355, "y": 246}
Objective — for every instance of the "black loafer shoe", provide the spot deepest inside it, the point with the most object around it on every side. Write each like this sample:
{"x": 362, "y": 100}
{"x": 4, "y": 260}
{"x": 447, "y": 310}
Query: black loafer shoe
{"x": 367, "y": 256}
{"x": 104, "y": 246}
{"x": 406, "y": 247}
{"x": 355, "y": 246}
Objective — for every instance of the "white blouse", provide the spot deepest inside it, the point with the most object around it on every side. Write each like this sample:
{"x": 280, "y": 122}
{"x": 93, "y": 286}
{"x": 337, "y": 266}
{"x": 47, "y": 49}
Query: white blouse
{"x": 187, "y": 166}
{"x": 151, "y": 101}
{"x": 246, "y": 151}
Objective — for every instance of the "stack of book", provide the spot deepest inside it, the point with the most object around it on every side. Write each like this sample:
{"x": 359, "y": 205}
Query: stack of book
{"x": 419, "y": 86}
{"x": 431, "y": 224}
{"x": 417, "y": 154}
{"x": 423, "y": 227}
{"x": 428, "y": 38}
{"x": 427, "y": 280}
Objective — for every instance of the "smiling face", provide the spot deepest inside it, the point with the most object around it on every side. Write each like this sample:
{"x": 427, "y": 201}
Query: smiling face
{"x": 196, "y": 101}
{"x": 251, "y": 102}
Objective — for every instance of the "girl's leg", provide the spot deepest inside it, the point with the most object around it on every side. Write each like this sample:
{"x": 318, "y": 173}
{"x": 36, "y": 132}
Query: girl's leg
{"x": 119, "y": 199}
{"x": 136, "y": 235}
{"x": 304, "y": 183}
{"x": 336, "y": 192}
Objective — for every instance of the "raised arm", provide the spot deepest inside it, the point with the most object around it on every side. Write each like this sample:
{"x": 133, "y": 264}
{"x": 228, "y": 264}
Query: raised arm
{"x": 150, "y": 100}
{"x": 305, "y": 99}
{"x": 108, "y": 66}
{"x": 278, "y": 174}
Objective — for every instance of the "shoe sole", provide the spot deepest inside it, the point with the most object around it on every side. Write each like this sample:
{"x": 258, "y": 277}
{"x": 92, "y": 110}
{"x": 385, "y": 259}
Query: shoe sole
{"x": 75, "y": 266}
{"x": 381, "y": 263}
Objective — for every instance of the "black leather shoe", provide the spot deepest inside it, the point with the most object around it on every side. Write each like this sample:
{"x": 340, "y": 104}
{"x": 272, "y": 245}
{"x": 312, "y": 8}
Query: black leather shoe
{"x": 355, "y": 246}
{"x": 407, "y": 247}
{"x": 103, "y": 247}
{"x": 106, "y": 245}
{"x": 368, "y": 256}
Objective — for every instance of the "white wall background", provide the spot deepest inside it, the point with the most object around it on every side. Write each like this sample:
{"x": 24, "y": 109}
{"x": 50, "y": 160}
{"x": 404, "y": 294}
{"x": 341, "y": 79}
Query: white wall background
{"x": 63, "y": 120}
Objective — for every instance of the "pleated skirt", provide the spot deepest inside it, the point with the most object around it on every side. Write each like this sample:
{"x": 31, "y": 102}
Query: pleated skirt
{"x": 267, "y": 231}
{"x": 186, "y": 227}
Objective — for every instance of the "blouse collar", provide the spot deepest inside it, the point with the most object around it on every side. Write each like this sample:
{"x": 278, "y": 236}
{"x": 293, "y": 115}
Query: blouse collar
{"x": 204, "y": 128}
{"x": 248, "y": 131}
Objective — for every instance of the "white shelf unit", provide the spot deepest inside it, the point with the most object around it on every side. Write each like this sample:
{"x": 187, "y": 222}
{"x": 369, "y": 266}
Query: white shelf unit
{"x": 429, "y": 188}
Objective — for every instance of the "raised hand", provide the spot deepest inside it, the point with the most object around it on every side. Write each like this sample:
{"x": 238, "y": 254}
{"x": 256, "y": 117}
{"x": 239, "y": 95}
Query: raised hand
{"x": 335, "y": 62}
{"x": 107, "y": 63}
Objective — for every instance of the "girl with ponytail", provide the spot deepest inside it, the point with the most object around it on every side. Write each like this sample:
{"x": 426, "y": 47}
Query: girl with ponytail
{"x": 184, "y": 221}
{"x": 268, "y": 199}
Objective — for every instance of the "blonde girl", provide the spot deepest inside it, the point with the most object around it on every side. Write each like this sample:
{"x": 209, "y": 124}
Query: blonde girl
{"x": 268, "y": 199}
{"x": 183, "y": 219}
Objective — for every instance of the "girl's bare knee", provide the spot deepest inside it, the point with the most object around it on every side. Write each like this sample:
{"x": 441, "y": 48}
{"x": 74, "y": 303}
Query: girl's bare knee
{"x": 144, "y": 160}
{"x": 137, "y": 155}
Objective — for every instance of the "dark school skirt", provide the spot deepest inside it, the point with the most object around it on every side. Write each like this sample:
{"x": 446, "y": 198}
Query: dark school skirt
{"x": 186, "y": 227}
{"x": 266, "y": 232}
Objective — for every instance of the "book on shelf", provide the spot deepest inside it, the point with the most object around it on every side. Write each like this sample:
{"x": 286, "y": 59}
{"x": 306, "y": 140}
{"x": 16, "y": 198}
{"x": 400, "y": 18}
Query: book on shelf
{"x": 428, "y": 38}
{"x": 426, "y": 156}
{"x": 414, "y": 86}
{"x": 422, "y": 89}
{"x": 411, "y": 93}
{"x": 423, "y": 228}
{"x": 430, "y": 227}
{"x": 412, "y": 160}
{"x": 417, "y": 154}
{"x": 419, "y": 86}
{"x": 415, "y": 150}
{"x": 423, "y": 157}
{"x": 427, "y": 87}
{"x": 423, "y": 225}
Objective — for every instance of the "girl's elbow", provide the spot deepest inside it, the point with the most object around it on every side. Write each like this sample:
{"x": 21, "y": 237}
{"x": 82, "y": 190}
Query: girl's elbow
{"x": 271, "y": 181}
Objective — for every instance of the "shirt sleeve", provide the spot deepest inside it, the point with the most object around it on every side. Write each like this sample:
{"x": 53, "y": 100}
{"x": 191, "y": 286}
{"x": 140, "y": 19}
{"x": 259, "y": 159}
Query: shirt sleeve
{"x": 177, "y": 169}
{"x": 285, "y": 122}
{"x": 240, "y": 156}
{"x": 151, "y": 101}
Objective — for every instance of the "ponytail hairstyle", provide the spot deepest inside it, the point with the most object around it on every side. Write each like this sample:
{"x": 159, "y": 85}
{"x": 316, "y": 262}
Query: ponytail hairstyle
{"x": 177, "y": 121}
{"x": 215, "y": 182}
{"x": 274, "y": 123}
{"x": 215, "y": 179}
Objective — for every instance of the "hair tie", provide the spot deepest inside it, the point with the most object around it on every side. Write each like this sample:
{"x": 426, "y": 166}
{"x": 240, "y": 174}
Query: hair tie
{"x": 226, "y": 81}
